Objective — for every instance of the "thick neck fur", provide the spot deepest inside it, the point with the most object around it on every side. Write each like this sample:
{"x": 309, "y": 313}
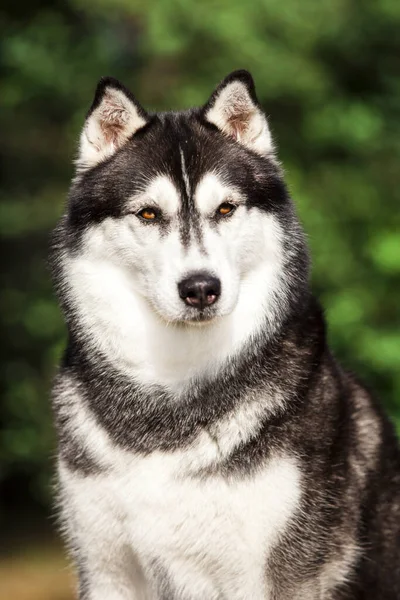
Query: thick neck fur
{"x": 145, "y": 418}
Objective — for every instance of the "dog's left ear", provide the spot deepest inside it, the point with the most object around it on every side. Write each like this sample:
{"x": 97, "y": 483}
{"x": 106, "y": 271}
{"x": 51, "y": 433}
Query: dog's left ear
{"x": 114, "y": 117}
{"x": 235, "y": 110}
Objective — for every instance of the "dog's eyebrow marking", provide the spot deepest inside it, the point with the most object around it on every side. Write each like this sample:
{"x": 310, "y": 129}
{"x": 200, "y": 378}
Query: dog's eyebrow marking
{"x": 184, "y": 173}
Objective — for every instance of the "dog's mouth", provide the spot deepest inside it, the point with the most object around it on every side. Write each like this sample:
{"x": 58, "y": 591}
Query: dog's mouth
{"x": 189, "y": 317}
{"x": 200, "y": 317}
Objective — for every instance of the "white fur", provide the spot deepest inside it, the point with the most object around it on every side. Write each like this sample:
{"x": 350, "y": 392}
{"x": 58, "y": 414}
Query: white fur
{"x": 212, "y": 191}
{"x": 108, "y": 128}
{"x": 185, "y": 173}
{"x": 159, "y": 192}
{"x": 235, "y": 113}
{"x": 124, "y": 286}
{"x": 212, "y": 535}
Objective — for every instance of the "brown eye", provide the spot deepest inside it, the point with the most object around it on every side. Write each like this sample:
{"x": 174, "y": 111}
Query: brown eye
{"x": 225, "y": 209}
{"x": 147, "y": 214}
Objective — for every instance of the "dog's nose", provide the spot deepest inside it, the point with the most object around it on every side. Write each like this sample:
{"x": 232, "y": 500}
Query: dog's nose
{"x": 200, "y": 290}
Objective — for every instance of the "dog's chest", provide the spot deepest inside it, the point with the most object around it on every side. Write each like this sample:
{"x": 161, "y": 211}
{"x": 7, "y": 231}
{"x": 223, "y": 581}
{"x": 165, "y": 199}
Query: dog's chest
{"x": 198, "y": 537}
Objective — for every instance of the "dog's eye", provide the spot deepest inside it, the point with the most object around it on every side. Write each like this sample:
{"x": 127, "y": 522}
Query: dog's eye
{"x": 226, "y": 208}
{"x": 148, "y": 214}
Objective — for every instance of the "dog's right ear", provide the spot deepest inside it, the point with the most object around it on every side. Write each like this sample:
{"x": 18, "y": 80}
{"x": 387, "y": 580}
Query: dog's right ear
{"x": 113, "y": 118}
{"x": 234, "y": 109}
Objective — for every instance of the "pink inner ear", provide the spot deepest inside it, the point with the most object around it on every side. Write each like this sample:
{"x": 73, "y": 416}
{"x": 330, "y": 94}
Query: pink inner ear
{"x": 238, "y": 124}
{"x": 113, "y": 120}
{"x": 112, "y": 132}
{"x": 238, "y": 116}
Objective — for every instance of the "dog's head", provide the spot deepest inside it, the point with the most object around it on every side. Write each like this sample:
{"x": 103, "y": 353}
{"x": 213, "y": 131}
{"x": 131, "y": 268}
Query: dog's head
{"x": 184, "y": 213}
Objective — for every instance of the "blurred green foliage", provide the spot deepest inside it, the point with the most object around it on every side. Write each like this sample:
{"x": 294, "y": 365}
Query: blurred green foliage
{"x": 327, "y": 73}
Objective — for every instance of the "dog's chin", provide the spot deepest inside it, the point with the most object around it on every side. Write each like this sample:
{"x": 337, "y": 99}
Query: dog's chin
{"x": 192, "y": 318}
{"x": 200, "y": 320}
{"x": 197, "y": 319}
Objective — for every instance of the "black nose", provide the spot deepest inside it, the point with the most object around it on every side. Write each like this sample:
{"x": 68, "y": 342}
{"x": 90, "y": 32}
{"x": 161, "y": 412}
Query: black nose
{"x": 199, "y": 290}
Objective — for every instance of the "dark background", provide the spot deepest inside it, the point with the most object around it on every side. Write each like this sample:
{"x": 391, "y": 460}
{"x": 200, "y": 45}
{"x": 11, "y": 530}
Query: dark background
{"x": 328, "y": 75}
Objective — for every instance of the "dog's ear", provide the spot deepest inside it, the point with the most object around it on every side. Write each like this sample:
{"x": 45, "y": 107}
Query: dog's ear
{"x": 234, "y": 109}
{"x": 113, "y": 118}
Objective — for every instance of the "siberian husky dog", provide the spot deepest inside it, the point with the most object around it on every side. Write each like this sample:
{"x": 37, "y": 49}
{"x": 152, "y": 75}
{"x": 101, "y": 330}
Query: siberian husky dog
{"x": 210, "y": 446}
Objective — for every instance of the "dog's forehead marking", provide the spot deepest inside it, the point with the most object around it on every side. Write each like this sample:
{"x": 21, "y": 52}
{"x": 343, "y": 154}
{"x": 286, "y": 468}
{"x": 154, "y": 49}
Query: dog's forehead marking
{"x": 185, "y": 175}
{"x": 190, "y": 226}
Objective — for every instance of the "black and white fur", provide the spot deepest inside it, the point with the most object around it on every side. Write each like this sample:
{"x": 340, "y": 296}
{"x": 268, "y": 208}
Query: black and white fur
{"x": 209, "y": 451}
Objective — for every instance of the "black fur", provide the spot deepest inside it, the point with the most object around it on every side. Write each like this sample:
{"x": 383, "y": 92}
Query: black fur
{"x": 342, "y": 504}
